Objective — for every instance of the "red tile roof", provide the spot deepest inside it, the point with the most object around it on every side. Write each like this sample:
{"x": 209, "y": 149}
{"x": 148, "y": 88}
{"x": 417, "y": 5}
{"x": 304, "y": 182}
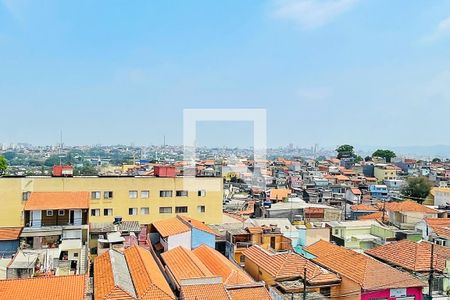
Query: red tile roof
{"x": 441, "y": 231}
{"x": 196, "y": 224}
{"x": 342, "y": 178}
{"x": 105, "y": 287}
{"x": 438, "y": 221}
{"x": 10, "y": 233}
{"x": 289, "y": 265}
{"x": 407, "y": 206}
{"x": 356, "y": 191}
{"x": 43, "y": 288}
{"x": 183, "y": 264}
{"x": 375, "y": 216}
{"x": 369, "y": 273}
{"x": 170, "y": 227}
{"x": 247, "y": 293}
{"x": 57, "y": 200}
{"x": 148, "y": 279}
{"x": 412, "y": 256}
{"x": 219, "y": 265}
{"x": 363, "y": 207}
{"x": 204, "y": 292}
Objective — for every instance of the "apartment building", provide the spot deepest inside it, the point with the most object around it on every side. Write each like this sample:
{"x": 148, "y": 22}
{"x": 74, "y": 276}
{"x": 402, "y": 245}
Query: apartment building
{"x": 143, "y": 199}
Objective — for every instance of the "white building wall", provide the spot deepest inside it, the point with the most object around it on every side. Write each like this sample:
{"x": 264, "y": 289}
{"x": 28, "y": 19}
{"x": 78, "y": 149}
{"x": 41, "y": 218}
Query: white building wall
{"x": 441, "y": 198}
{"x": 181, "y": 239}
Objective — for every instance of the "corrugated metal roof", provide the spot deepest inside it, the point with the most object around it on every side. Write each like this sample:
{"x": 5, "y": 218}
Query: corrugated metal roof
{"x": 125, "y": 226}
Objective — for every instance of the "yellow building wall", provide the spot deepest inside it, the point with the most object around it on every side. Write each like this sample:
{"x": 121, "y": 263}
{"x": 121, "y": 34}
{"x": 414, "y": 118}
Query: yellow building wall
{"x": 382, "y": 174}
{"x": 11, "y": 190}
{"x": 257, "y": 273}
{"x": 348, "y": 290}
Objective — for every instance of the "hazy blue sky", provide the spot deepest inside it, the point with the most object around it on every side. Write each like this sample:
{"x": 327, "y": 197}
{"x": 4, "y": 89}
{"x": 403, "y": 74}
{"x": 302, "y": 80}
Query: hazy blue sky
{"x": 328, "y": 72}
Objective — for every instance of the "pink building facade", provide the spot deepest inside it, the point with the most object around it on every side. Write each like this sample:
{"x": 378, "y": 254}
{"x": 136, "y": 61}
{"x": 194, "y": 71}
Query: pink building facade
{"x": 413, "y": 293}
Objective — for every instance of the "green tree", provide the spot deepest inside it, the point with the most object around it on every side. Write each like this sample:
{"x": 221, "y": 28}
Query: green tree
{"x": 3, "y": 165}
{"x": 358, "y": 158}
{"x": 321, "y": 158}
{"x": 10, "y": 155}
{"x": 417, "y": 188}
{"x": 86, "y": 170}
{"x": 345, "y": 151}
{"x": 436, "y": 160}
{"x": 388, "y": 155}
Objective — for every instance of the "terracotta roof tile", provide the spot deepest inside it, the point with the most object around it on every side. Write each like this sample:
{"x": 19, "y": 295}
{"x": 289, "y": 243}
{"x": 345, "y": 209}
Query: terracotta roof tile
{"x": 219, "y": 265}
{"x": 255, "y": 230}
{"x": 369, "y": 273}
{"x": 289, "y": 265}
{"x": 407, "y": 206}
{"x": 441, "y": 231}
{"x": 43, "y": 288}
{"x": 10, "y": 233}
{"x": 170, "y": 227}
{"x": 147, "y": 278}
{"x": 356, "y": 191}
{"x": 196, "y": 224}
{"x": 104, "y": 280}
{"x": 246, "y": 293}
{"x": 183, "y": 264}
{"x": 57, "y": 200}
{"x": 412, "y": 256}
{"x": 363, "y": 207}
{"x": 204, "y": 292}
{"x": 371, "y": 178}
{"x": 375, "y": 216}
{"x": 148, "y": 282}
{"x": 342, "y": 178}
{"x": 438, "y": 221}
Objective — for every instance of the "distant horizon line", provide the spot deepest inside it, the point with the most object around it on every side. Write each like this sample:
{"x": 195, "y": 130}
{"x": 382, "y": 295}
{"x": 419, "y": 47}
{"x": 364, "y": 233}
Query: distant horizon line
{"x": 308, "y": 146}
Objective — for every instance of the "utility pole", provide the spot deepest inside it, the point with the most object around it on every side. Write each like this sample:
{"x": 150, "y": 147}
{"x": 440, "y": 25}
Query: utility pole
{"x": 430, "y": 278}
{"x": 345, "y": 209}
{"x": 304, "y": 282}
{"x": 384, "y": 210}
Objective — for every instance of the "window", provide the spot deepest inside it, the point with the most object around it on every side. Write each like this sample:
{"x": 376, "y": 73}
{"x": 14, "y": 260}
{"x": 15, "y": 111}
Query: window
{"x": 165, "y": 193}
{"x": 145, "y": 210}
{"x": 95, "y": 195}
{"x": 108, "y": 195}
{"x": 145, "y": 194}
{"x": 201, "y": 208}
{"x": 165, "y": 210}
{"x": 437, "y": 284}
{"x": 49, "y": 213}
{"x": 75, "y": 254}
{"x": 107, "y": 212}
{"x": 61, "y": 212}
{"x": 25, "y": 196}
{"x": 182, "y": 193}
{"x": 95, "y": 212}
{"x": 326, "y": 291}
{"x": 133, "y": 194}
{"x": 132, "y": 211}
{"x": 272, "y": 242}
{"x": 201, "y": 193}
{"x": 181, "y": 209}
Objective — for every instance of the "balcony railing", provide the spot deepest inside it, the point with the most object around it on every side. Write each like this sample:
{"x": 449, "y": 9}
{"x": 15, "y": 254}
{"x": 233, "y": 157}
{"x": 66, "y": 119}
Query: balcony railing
{"x": 42, "y": 223}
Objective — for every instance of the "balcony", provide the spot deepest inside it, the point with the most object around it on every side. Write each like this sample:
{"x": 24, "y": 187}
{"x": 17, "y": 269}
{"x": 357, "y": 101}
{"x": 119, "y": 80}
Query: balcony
{"x": 55, "y": 218}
